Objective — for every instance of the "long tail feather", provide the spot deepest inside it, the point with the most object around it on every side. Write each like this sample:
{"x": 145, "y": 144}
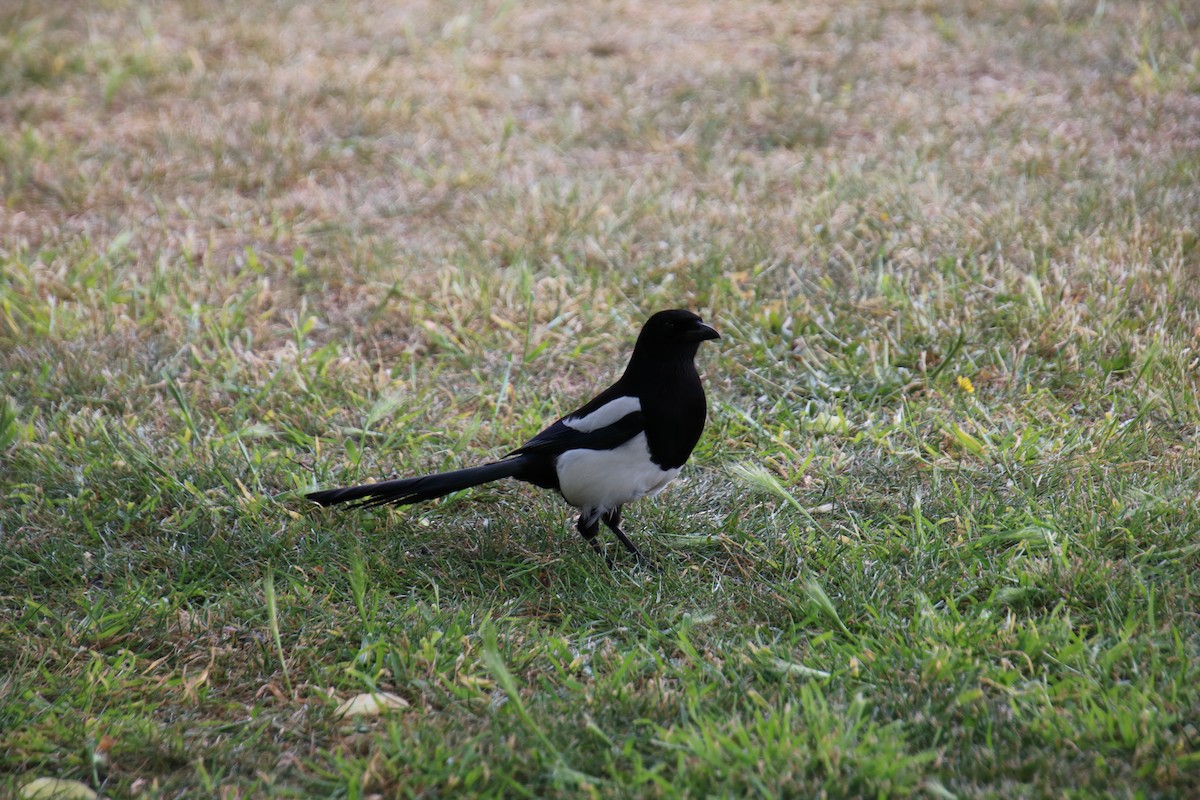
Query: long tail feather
{"x": 403, "y": 491}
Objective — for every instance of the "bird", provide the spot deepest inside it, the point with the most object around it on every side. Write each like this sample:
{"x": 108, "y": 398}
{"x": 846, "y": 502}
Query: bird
{"x": 625, "y": 444}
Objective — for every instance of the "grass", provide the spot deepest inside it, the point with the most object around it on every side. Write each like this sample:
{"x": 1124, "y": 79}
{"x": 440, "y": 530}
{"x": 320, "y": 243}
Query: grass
{"x": 940, "y": 537}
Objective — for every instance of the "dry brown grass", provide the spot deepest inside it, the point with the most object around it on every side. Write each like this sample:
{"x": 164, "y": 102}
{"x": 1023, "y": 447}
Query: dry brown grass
{"x": 386, "y": 140}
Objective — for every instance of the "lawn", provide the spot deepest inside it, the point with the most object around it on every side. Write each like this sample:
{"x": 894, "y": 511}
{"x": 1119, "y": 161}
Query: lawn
{"x": 941, "y": 537}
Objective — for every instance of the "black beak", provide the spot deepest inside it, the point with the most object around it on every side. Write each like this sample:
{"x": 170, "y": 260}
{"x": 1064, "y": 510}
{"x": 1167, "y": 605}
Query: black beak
{"x": 701, "y": 332}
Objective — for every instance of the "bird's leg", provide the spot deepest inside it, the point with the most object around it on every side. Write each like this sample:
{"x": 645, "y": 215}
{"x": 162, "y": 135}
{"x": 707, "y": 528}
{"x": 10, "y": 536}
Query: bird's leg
{"x": 588, "y": 527}
{"x": 613, "y": 520}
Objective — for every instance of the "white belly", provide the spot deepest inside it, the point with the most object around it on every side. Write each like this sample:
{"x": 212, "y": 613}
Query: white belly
{"x": 605, "y": 479}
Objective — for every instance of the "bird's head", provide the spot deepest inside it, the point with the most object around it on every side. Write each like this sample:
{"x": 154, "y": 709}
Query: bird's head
{"x": 675, "y": 329}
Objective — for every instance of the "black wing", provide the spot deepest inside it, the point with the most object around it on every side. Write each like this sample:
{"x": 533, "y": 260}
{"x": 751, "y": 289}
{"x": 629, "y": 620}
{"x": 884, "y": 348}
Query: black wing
{"x": 559, "y": 438}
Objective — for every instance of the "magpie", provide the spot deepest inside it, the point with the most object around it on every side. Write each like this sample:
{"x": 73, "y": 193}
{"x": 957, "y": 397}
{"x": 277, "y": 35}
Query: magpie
{"x": 627, "y": 443}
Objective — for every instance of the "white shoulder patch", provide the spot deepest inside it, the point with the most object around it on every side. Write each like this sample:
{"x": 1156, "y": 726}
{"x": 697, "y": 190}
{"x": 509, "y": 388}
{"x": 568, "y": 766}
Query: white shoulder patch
{"x": 606, "y": 414}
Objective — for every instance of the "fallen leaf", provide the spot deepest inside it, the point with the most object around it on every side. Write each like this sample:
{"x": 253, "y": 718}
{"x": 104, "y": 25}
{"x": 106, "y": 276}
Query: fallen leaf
{"x": 370, "y": 705}
{"x": 55, "y": 789}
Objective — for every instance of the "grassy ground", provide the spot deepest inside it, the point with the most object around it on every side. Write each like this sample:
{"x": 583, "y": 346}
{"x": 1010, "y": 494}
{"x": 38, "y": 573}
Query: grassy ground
{"x": 940, "y": 537}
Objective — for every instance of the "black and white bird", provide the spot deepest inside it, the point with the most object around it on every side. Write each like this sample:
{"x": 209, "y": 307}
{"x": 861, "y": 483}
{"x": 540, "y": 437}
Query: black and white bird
{"x": 627, "y": 443}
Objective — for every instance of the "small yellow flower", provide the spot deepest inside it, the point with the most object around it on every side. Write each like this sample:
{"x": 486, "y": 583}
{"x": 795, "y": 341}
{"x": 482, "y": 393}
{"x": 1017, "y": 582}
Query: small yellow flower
{"x": 965, "y": 384}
